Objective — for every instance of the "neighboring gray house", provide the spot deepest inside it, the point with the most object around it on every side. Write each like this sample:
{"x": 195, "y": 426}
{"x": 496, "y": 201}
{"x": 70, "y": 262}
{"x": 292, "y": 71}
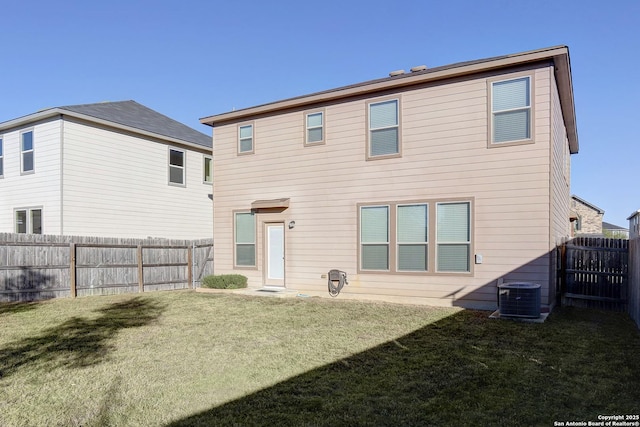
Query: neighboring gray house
{"x": 634, "y": 224}
{"x": 113, "y": 169}
{"x": 587, "y": 217}
{"x": 614, "y": 231}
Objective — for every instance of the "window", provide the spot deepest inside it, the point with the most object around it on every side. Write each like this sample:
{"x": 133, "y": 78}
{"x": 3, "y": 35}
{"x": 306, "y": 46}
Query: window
{"x": 412, "y": 232}
{"x": 384, "y": 129}
{"x": 314, "y": 127}
{"x": 28, "y": 221}
{"x": 1, "y": 159}
{"x": 176, "y": 166}
{"x": 511, "y": 110}
{"x": 453, "y": 236}
{"x": 245, "y": 139}
{"x": 207, "y": 170}
{"x": 395, "y": 237}
{"x": 374, "y": 237}
{"x": 27, "y": 152}
{"x": 245, "y": 239}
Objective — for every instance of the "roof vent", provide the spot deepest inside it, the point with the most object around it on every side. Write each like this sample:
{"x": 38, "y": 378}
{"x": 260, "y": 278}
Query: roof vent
{"x": 396, "y": 73}
{"x": 419, "y": 68}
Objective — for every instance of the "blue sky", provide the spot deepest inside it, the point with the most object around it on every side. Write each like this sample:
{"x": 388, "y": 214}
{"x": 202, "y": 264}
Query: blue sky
{"x": 194, "y": 58}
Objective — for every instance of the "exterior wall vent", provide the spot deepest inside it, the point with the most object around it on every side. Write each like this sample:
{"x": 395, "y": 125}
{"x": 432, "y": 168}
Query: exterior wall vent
{"x": 419, "y": 68}
{"x": 396, "y": 73}
{"x": 519, "y": 299}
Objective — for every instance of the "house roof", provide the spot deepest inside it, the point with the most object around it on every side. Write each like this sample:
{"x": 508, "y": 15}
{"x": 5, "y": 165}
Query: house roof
{"x": 125, "y": 115}
{"x": 634, "y": 214}
{"x": 558, "y": 54}
{"x": 609, "y": 226}
{"x": 590, "y": 205}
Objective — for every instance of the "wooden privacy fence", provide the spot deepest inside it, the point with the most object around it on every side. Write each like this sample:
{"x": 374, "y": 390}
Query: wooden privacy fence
{"x": 34, "y": 267}
{"x": 596, "y": 273}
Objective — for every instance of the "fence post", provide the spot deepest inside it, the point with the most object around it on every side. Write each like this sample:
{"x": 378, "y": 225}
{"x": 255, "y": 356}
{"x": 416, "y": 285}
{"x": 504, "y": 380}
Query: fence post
{"x": 140, "y": 270}
{"x": 72, "y": 270}
{"x": 190, "y": 266}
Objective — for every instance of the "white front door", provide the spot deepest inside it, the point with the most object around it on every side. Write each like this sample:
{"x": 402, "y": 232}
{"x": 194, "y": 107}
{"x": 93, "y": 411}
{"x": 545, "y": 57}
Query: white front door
{"x": 275, "y": 254}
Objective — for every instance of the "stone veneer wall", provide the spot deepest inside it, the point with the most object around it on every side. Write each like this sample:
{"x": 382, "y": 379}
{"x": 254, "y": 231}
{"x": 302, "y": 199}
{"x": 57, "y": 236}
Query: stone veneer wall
{"x": 591, "y": 219}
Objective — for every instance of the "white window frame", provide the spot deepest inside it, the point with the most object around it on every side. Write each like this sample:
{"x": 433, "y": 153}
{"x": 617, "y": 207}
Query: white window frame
{"x": 31, "y": 151}
{"x": 236, "y": 243}
{"x": 492, "y": 113}
{"x": 371, "y": 129}
{"x": 310, "y": 128}
{"x": 241, "y": 138}
{"x": 28, "y": 219}
{"x": 182, "y": 168}
{"x": 1, "y": 157}
{"x": 204, "y": 170}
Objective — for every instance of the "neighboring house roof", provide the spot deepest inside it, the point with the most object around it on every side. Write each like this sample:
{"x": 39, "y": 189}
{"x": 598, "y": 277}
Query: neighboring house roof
{"x": 613, "y": 227}
{"x": 125, "y": 115}
{"x": 634, "y": 214}
{"x": 559, "y": 55}
{"x": 590, "y": 205}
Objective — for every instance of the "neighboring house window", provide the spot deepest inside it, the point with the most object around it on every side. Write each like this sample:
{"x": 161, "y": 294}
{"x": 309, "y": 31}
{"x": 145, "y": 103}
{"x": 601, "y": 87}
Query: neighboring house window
{"x": 245, "y": 239}
{"x": 384, "y": 128}
{"x": 412, "y": 237}
{"x": 453, "y": 237}
{"x": 176, "y": 166}
{"x": 27, "y": 152}
{"x": 245, "y": 139}
{"x": 511, "y": 110}
{"x": 374, "y": 237}
{"x": 28, "y": 221}
{"x": 314, "y": 124}
{"x": 1, "y": 159}
{"x": 207, "y": 170}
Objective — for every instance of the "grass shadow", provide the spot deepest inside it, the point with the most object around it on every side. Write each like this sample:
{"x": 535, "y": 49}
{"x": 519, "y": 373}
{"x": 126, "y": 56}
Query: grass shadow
{"x": 78, "y": 342}
{"x": 17, "y": 307}
{"x": 452, "y": 371}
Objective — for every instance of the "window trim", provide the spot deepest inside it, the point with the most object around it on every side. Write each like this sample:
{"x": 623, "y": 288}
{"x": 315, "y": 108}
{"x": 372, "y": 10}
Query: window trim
{"x": 491, "y": 113}
{"x": 323, "y": 127}
{"x": 29, "y": 219}
{"x": 235, "y": 243}
{"x": 431, "y": 243}
{"x": 23, "y": 152}
{"x": 253, "y": 138}
{"x": 204, "y": 169}
{"x": 183, "y": 167}
{"x": 369, "y": 103}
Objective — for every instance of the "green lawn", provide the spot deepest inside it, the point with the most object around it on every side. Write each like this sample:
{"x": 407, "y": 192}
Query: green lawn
{"x": 184, "y": 358}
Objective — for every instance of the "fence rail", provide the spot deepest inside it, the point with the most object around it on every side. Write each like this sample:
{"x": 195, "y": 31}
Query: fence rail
{"x": 36, "y": 267}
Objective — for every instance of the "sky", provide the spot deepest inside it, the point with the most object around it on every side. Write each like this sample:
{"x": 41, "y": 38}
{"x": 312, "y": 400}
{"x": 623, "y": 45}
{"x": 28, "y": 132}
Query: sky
{"x": 190, "y": 59}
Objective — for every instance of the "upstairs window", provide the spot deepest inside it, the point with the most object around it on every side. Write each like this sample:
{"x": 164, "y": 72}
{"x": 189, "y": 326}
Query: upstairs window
{"x": 176, "y": 166}
{"x": 207, "y": 171}
{"x": 27, "y": 152}
{"x": 1, "y": 159}
{"x": 314, "y": 128}
{"x": 28, "y": 221}
{"x": 384, "y": 129}
{"x": 245, "y": 239}
{"x": 245, "y": 139}
{"x": 511, "y": 110}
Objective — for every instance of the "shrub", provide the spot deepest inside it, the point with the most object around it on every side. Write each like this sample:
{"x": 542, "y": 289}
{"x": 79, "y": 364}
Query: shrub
{"x": 224, "y": 281}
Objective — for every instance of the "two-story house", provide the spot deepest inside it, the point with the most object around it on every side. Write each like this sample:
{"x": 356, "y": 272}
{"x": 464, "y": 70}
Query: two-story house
{"x": 426, "y": 186}
{"x": 112, "y": 169}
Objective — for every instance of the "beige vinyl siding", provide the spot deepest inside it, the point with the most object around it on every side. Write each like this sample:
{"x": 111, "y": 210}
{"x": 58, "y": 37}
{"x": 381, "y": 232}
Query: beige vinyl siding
{"x": 38, "y": 189}
{"x": 117, "y": 185}
{"x": 444, "y": 156}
